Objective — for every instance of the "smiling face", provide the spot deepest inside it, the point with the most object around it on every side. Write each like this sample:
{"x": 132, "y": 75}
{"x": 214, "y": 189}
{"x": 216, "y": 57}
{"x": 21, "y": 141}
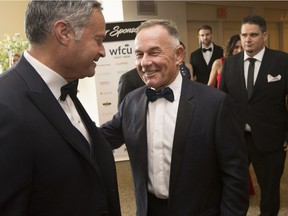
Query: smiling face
{"x": 158, "y": 56}
{"x": 82, "y": 54}
{"x": 252, "y": 38}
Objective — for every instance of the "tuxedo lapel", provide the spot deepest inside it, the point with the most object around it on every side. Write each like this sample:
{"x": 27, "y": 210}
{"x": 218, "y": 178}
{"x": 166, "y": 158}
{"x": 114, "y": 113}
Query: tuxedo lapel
{"x": 201, "y": 58}
{"x": 45, "y": 101}
{"x": 183, "y": 123}
{"x": 239, "y": 73}
{"x": 141, "y": 132}
{"x": 263, "y": 72}
{"x": 57, "y": 117}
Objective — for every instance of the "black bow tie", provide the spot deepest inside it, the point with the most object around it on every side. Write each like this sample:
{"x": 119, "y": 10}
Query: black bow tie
{"x": 70, "y": 88}
{"x": 153, "y": 95}
{"x": 209, "y": 49}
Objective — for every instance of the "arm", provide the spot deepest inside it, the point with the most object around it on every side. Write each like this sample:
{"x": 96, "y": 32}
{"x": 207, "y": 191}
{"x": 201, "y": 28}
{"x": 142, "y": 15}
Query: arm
{"x": 16, "y": 162}
{"x": 112, "y": 131}
{"x": 188, "y": 65}
{"x": 233, "y": 160}
{"x": 216, "y": 68}
{"x": 193, "y": 71}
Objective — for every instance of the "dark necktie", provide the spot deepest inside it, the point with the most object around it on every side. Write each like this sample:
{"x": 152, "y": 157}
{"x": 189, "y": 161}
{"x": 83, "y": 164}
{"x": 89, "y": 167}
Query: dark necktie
{"x": 250, "y": 77}
{"x": 71, "y": 89}
{"x": 205, "y": 50}
{"x": 153, "y": 95}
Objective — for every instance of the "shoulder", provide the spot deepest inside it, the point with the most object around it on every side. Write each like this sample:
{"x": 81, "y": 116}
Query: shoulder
{"x": 131, "y": 77}
{"x": 128, "y": 74}
{"x": 201, "y": 91}
{"x": 276, "y": 53}
{"x": 217, "y": 47}
{"x": 217, "y": 62}
{"x": 196, "y": 52}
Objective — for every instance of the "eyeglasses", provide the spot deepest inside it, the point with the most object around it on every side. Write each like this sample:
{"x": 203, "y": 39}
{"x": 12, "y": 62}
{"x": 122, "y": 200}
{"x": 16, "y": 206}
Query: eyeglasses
{"x": 252, "y": 35}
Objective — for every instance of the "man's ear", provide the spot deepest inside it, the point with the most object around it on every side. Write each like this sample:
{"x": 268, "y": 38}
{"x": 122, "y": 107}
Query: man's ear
{"x": 63, "y": 32}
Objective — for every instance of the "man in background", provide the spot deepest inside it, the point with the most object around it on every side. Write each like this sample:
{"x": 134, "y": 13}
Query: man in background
{"x": 53, "y": 159}
{"x": 14, "y": 59}
{"x": 203, "y": 58}
{"x": 257, "y": 79}
{"x": 127, "y": 83}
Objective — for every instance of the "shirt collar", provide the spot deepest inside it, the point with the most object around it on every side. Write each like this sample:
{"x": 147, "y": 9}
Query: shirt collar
{"x": 53, "y": 80}
{"x": 176, "y": 86}
{"x": 210, "y": 46}
{"x": 258, "y": 56}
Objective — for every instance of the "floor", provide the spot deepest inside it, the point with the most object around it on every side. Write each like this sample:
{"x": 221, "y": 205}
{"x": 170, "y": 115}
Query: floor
{"x": 127, "y": 200}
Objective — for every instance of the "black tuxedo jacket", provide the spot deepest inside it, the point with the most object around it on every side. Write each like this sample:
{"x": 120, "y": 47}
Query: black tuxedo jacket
{"x": 265, "y": 112}
{"x": 200, "y": 68}
{"x": 209, "y": 168}
{"x": 127, "y": 83}
{"x": 45, "y": 167}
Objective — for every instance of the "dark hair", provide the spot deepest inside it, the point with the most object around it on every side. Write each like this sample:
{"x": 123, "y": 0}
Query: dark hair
{"x": 257, "y": 20}
{"x": 205, "y": 27}
{"x": 230, "y": 45}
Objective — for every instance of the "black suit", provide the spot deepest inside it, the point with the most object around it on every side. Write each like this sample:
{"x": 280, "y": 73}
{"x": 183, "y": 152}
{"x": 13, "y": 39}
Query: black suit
{"x": 209, "y": 168}
{"x": 127, "y": 83}
{"x": 200, "y": 68}
{"x": 266, "y": 113}
{"x": 45, "y": 167}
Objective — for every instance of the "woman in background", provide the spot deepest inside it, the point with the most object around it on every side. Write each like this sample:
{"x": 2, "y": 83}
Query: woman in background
{"x": 185, "y": 69}
{"x": 233, "y": 46}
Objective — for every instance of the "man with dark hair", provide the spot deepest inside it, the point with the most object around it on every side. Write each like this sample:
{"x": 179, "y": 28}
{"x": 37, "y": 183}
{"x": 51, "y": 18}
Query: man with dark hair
{"x": 257, "y": 79}
{"x": 203, "y": 58}
{"x": 53, "y": 159}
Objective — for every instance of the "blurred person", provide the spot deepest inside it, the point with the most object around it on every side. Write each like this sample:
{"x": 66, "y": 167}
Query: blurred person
{"x": 257, "y": 80}
{"x": 203, "y": 58}
{"x": 233, "y": 46}
{"x": 185, "y": 69}
{"x": 53, "y": 159}
{"x": 186, "y": 150}
{"x": 127, "y": 83}
{"x": 14, "y": 59}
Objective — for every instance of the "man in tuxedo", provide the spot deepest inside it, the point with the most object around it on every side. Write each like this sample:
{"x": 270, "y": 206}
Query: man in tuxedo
{"x": 127, "y": 83}
{"x": 203, "y": 58}
{"x": 257, "y": 79}
{"x": 186, "y": 150}
{"x": 53, "y": 159}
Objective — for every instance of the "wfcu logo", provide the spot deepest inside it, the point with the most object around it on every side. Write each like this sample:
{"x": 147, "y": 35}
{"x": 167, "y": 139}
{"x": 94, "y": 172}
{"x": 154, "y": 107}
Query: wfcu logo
{"x": 124, "y": 34}
{"x": 121, "y": 50}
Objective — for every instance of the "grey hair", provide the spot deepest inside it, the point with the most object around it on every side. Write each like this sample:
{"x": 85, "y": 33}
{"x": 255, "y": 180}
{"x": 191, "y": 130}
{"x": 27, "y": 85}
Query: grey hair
{"x": 169, "y": 25}
{"x": 41, "y": 15}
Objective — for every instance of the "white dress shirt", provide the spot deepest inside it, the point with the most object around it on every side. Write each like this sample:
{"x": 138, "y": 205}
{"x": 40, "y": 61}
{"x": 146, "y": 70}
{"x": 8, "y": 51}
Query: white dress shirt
{"x": 258, "y": 57}
{"x": 54, "y": 82}
{"x": 161, "y": 120}
{"x": 207, "y": 55}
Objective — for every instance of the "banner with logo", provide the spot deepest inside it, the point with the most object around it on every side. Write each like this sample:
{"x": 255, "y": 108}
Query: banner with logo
{"x": 120, "y": 58}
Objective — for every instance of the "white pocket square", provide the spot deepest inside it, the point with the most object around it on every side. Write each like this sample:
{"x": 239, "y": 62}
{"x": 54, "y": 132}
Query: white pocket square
{"x": 273, "y": 79}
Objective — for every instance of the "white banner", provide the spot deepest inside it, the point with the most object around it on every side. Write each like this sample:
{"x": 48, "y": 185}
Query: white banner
{"x": 120, "y": 58}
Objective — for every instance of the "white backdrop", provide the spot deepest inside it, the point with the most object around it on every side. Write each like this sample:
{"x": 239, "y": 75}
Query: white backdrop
{"x": 120, "y": 58}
